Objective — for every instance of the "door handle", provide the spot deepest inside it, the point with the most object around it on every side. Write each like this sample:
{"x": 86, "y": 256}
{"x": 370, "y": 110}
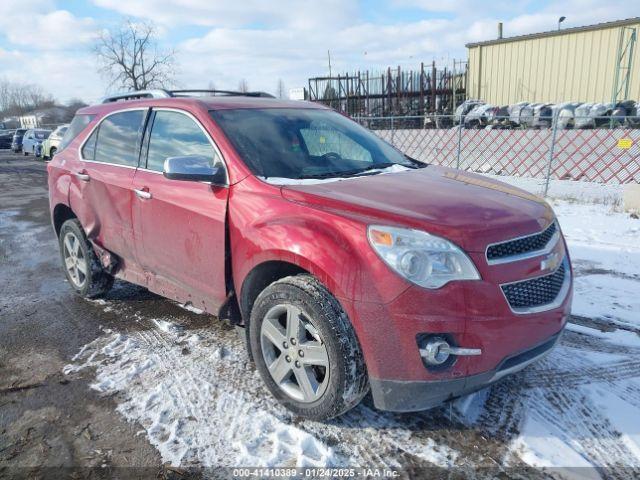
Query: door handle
{"x": 143, "y": 194}
{"x": 83, "y": 176}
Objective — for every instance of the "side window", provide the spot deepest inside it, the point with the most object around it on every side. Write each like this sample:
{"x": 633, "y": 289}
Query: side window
{"x": 78, "y": 124}
{"x": 174, "y": 134}
{"x": 118, "y": 136}
{"x": 320, "y": 141}
{"x": 89, "y": 149}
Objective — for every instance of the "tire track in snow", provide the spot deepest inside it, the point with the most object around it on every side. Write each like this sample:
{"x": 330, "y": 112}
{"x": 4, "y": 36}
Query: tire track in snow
{"x": 394, "y": 438}
{"x": 200, "y": 422}
{"x": 590, "y": 343}
{"x": 231, "y": 384}
{"x": 365, "y": 436}
{"x": 553, "y": 392}
{"x": 578, "y": 422}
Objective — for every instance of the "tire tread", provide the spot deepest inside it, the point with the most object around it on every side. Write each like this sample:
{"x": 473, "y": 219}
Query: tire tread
{"x": 354, "y": 385}
{"x": 99, "y": 281}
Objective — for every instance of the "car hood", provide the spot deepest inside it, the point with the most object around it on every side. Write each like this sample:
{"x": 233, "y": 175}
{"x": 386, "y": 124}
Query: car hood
{"x": 468, "y": 209}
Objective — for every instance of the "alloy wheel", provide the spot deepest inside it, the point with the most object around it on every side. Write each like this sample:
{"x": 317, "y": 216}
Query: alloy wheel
{"x": 74, "y": 259}
{"x": 294, "y": 353}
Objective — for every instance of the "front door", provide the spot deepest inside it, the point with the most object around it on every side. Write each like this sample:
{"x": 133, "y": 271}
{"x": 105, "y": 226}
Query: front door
{"x": 180, "y": 225}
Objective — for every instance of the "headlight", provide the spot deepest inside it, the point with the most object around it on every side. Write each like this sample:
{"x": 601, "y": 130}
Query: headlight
{"x": 421, "y": 258}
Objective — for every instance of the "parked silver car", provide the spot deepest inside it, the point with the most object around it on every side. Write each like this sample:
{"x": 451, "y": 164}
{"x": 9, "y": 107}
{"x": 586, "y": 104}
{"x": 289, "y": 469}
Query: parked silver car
{"x": 32, "y": 141}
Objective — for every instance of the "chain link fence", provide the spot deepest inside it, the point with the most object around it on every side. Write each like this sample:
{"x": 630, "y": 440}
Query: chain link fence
{"x": 607, "y": 151}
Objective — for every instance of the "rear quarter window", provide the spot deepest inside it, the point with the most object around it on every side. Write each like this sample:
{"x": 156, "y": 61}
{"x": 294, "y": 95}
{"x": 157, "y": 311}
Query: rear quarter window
{"x": 78, "y": 124}
{"x": 118, "y": 138}
{"x": 89, "y": 148}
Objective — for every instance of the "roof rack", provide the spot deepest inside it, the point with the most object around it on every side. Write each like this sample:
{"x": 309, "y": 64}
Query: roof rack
{"x": 185, "y": 93}
{"x": 158, "y": 93}
{"x": 161, "y": 93}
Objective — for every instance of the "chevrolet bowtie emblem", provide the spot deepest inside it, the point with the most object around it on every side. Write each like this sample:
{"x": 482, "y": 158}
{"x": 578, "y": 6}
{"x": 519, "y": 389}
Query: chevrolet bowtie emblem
{"x": 550, "y": 262}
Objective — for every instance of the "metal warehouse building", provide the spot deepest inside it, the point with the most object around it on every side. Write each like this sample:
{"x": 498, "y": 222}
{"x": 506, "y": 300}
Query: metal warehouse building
{"x": 590, "y": 64}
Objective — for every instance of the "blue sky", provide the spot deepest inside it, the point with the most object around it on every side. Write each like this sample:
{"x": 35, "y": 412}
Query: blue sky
{"x": 49, "y": 42}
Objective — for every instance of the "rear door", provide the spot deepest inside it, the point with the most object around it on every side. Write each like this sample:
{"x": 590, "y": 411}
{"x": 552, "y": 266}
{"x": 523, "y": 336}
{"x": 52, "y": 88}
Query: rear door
{"x": 180, "y": 225}
{"x": 109, "y": 158}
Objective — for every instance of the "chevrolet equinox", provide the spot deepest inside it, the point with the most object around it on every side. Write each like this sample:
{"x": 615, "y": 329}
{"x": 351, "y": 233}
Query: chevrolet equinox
{"x": 351, "y": 267}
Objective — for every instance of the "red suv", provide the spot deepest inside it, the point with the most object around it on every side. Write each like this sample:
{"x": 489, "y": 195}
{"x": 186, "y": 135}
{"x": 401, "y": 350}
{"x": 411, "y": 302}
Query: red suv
{"x": 350, "y": 265}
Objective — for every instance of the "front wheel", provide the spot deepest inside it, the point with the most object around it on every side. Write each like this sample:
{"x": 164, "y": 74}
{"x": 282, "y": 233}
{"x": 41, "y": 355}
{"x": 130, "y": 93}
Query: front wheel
{"x": 306, "y": 349}
{"x": 81, "y": 265}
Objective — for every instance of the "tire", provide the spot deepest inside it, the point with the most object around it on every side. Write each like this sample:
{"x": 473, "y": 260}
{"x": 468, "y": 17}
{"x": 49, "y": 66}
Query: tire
{"x": 25, "y": 153}
{"x": 81, "y": 265}
{"x": 52, "y": 152}
{"x": 339, "y": 374}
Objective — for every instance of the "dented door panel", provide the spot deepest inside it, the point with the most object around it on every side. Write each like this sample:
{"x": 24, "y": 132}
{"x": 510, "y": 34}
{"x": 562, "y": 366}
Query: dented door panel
{"x": 180, "y": 238}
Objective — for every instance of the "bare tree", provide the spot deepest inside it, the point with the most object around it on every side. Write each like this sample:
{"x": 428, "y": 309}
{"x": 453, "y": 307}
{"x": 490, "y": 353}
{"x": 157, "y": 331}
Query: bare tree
{"x": 212, "y": 85}
{"x": 5, "y": 95}
{"x": 19, "y": 98}
{"x": 131, "y": 58}
{"x": 243, "y": 86}
{"x": 281, "y": 90}
{"x": 71, "y": 107}
{"x": 75, "y": 104}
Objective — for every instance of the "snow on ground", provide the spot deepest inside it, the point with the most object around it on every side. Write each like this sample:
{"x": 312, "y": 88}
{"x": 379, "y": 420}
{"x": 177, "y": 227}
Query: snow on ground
{"x": 586, "y": 192}
{"x": 201, "y": 405}
{"x": 605, "y": 250}
{"x": 200, "y": 402}
{"x": 174, "y": 382}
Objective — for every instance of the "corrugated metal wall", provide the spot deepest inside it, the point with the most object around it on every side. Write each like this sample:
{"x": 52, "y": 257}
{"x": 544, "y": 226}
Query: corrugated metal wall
{"x": 578, "y": 66}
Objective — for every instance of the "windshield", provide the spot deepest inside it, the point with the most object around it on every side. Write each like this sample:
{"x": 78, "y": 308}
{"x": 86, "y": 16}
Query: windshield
{"x": 41, "y": 135}
{"x": 301, "y": 143}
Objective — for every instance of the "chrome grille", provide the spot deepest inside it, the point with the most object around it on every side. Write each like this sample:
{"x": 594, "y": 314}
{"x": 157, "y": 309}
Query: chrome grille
{"x": 536, "y": 292}
{"x": 523, "y": 245}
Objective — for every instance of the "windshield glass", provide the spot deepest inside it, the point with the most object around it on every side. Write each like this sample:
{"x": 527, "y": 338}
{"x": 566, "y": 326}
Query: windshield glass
{"x": 41, "y": 135}
{"x": 306, "y": 143}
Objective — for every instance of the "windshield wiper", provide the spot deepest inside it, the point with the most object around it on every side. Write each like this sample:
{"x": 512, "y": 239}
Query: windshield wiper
{"x": 351, "y": 173}
{"x": 416, "y": 163}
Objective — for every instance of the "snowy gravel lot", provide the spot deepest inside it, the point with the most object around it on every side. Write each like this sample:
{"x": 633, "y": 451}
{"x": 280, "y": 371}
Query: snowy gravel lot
{"x": 183, "y": 383}
{"x": 201, "y": 404}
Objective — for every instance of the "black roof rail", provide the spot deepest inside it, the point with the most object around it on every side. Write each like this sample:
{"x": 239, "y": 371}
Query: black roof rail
{"x": 231, "y": 93}
{"x": 161, "y": 93}
{"x": 136, "y": 95}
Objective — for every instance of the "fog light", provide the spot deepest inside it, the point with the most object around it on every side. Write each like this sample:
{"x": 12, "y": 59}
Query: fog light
{"x": 437, "y": 351}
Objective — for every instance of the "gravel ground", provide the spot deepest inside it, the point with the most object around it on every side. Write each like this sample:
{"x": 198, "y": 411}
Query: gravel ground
{"x": 135, "y": 380}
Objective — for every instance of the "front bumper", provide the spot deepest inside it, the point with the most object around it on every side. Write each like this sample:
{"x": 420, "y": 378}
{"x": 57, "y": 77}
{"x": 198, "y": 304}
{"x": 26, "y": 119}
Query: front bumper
{"x": 410, "y": 396}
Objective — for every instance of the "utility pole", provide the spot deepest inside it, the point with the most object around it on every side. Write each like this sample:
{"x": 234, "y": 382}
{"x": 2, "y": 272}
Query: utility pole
{"x": 329, "y": 56}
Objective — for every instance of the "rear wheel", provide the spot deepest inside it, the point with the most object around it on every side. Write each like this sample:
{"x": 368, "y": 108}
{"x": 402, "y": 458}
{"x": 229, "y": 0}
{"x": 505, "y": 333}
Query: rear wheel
{"x": 306, "y": 349}
{"x": 81, "y": 265}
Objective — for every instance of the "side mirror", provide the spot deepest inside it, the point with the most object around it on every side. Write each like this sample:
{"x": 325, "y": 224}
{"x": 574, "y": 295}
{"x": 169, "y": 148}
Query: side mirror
{"x": 194, "y": 168}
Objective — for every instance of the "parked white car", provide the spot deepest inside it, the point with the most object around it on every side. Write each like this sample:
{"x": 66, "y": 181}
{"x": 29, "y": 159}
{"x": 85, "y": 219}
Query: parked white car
{"x": 32, "y": 141}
